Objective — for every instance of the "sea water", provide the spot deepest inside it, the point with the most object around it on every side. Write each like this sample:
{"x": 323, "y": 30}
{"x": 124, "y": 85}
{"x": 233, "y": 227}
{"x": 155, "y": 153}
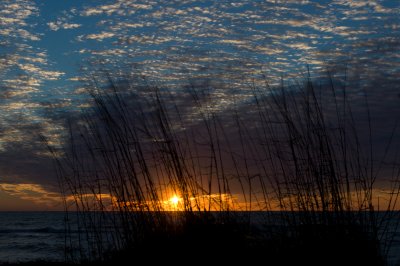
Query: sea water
{"x": 29, "y": 236}
{"x": 32, "y": 236}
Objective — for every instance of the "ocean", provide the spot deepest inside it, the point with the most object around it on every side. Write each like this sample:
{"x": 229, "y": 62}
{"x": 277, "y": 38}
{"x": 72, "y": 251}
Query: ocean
{"x": 30, "y": 236}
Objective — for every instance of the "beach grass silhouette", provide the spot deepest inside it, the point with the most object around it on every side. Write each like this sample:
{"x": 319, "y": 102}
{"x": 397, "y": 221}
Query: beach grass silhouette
{"x": 287, "y": 177}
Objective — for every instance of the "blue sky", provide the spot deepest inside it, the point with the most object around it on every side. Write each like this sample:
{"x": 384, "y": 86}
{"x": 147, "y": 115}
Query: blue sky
{"x": 46, "y": 48}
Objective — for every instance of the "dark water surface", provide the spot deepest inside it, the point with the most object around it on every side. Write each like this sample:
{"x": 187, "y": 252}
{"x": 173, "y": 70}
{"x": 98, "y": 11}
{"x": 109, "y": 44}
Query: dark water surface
{"x": 28, "y": 236}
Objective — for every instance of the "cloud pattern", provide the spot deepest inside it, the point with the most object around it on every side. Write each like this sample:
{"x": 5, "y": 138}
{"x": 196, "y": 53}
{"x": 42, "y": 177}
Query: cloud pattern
{"x": 227, "y": 45}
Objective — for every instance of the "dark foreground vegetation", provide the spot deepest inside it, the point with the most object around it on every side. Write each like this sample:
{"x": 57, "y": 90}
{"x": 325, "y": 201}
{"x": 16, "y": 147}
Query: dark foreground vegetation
{"x": 301, "y": 154}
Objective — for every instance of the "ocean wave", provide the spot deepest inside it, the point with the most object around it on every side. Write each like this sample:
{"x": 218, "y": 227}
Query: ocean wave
{"x": 48, "y": 229}
{"x": 52, "y": 230}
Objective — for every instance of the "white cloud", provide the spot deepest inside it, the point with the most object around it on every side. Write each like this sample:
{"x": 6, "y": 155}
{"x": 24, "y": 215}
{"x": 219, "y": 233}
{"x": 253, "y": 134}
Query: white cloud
{"x": 92, "y": 11}
{"x": 70, "y": 25}
{"x": 55, "y": 26}
{"x": 100, "y": 36}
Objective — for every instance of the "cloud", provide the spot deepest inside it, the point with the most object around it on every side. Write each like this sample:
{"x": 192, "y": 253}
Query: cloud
{"x": 110, "y": 52}
{"x": 100, "y": 36}
{"x": 55, "y": 26}
{"x": 120, "y": 7}
{"x": 238, "y": 42}
{"x": 20, "y": 50}
{"x": 226, "y": 47}
{"x": 370, "y": 4}
{"x": 34, "y": 193}
{"x": 38, "y": 71}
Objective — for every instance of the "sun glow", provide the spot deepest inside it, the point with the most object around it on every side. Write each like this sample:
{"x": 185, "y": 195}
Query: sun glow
{"x": 175, "y": 200}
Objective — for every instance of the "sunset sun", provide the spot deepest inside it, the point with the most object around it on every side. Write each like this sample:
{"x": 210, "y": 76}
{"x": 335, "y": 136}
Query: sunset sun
{"x": 175, "y": 200}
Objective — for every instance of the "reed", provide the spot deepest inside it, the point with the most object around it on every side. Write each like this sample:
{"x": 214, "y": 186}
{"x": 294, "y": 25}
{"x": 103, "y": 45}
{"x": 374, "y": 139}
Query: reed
{"x": 149, "y": 170}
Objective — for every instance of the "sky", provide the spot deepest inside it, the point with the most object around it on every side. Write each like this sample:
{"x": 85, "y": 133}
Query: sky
{"x": 49, "y": 49}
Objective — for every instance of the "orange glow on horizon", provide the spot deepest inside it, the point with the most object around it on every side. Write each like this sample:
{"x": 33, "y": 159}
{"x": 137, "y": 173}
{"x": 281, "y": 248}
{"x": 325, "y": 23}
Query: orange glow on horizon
{"x": 34, "y": 196}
